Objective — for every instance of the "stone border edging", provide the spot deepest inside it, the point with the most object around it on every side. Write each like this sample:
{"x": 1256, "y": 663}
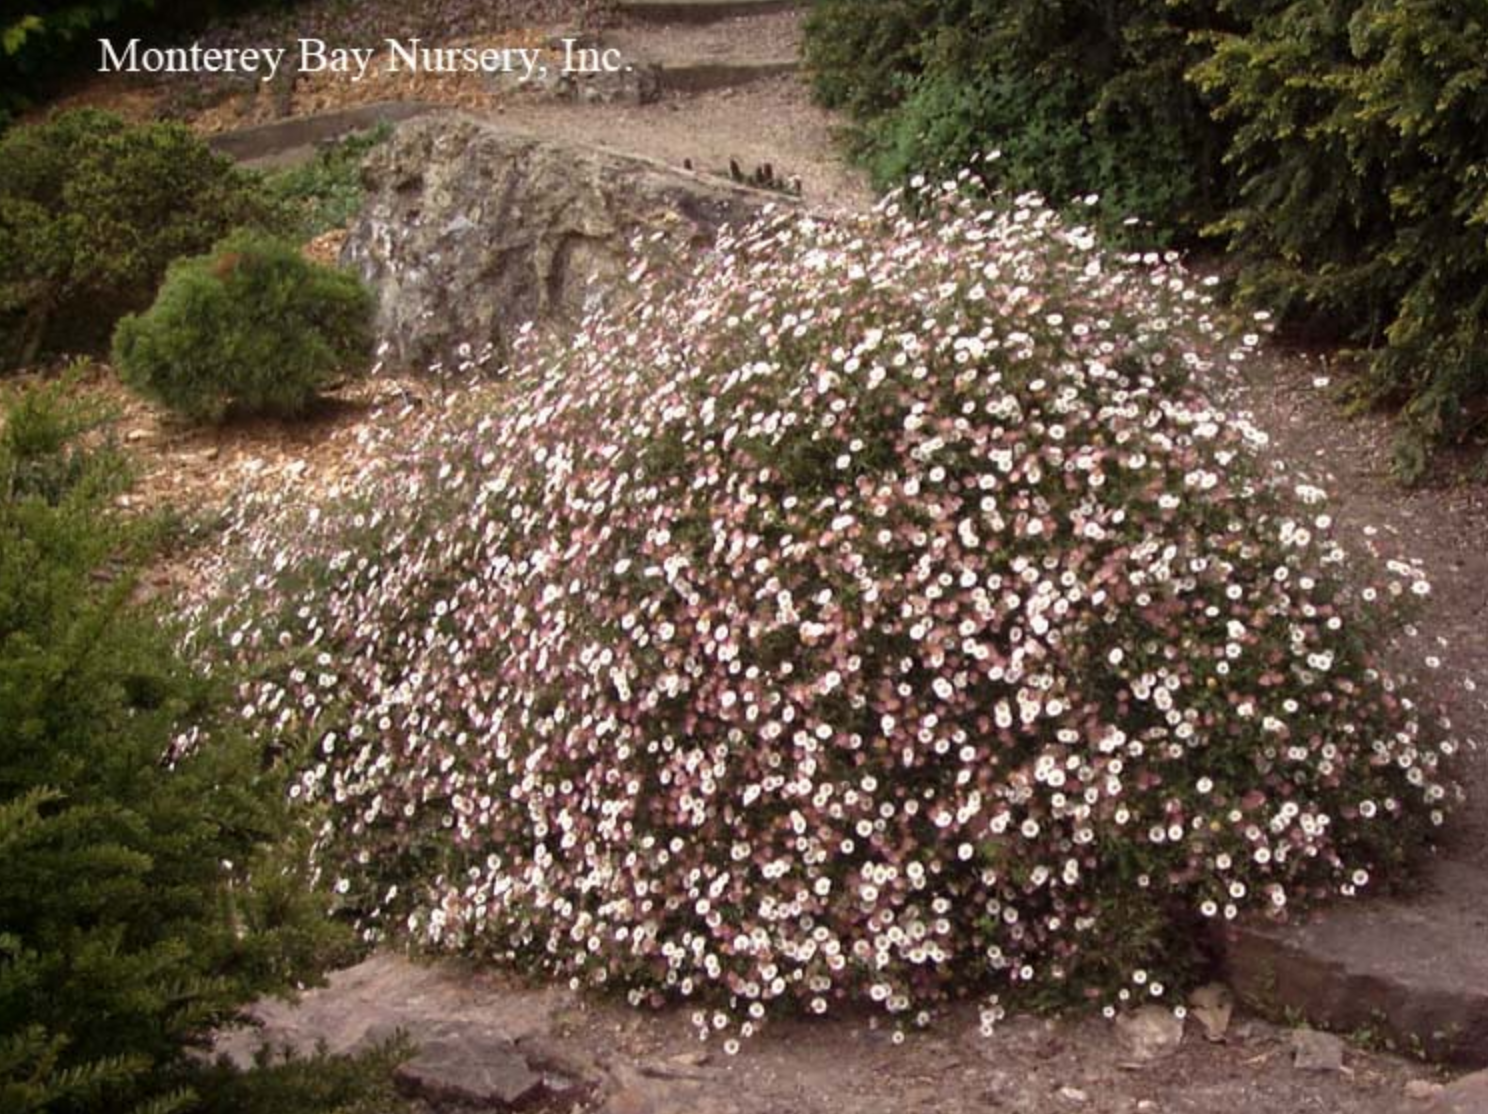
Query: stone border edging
{"x": 707, "y": 77}
{"x": 702, "y": 11}
{"x": 1414, "y": 975}
{"x": 284, "y": 141}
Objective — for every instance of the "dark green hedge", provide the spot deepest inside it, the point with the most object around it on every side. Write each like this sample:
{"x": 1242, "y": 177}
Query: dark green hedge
{"x": 1361, "y": 161}
{"x": 1079, "y": 96}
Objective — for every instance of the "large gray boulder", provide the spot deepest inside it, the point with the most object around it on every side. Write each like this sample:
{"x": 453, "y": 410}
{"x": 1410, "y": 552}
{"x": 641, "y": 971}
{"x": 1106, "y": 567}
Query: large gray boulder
{"x": 470, "y": 230}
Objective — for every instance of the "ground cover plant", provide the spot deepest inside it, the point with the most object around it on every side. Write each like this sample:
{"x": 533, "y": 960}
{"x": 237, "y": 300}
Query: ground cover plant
{"x": 253, "y": 326}
{"x": 325, "y": 193}
{"x": 880, "y": 611}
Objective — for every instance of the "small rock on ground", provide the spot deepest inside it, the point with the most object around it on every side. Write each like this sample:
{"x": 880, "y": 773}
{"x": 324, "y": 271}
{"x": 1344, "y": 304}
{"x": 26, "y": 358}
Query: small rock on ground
{"x": 1422, "y": 1090}
{"x": 1469, "y": 1095}
{"x": 636, "y": 1093}
{"x": 1212, "y": 1006}
{"x": 1315, "y": 1051}
{"x": 1149, "y": 1033}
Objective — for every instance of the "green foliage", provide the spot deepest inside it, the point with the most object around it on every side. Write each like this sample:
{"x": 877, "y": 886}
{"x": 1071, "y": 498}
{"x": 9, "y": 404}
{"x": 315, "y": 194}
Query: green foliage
{"x": 1361, "y": 150}
{"x": 92, "y": 211}
{"x": 1080, "y": 96}
{"x": 254, "y": 325}
{"x": 864, "y": 65}
{"x": 321, "y": 1083}
{"x": 144, "y": 897}
{"x": 39, "y": 452}
{"x": 327, "y": 192}
{"x": 35, "y": 35}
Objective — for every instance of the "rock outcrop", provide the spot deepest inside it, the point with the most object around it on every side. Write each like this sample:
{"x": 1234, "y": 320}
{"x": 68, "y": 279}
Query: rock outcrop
{"x": 471, "y": 230}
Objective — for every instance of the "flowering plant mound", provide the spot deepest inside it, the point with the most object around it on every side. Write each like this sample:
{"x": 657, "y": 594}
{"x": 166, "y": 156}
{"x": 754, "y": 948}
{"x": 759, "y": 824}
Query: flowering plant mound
{"x": 879, "y": 612}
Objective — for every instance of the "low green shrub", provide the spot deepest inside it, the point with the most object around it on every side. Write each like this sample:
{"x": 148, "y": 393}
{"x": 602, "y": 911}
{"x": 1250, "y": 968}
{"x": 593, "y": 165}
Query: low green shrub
{"x": 1361, "y": 155}
{"x": 92, "y": 211}
{"x": 327, "y": 192}
{"x": 147, "y": 892}
{"x": 40, "y": 456}
{"x": 253, "y": 326}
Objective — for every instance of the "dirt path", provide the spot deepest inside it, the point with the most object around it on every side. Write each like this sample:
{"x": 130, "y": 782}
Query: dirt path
{"x": 1029, "y": 1066}
{"x": 575, "y": 1053}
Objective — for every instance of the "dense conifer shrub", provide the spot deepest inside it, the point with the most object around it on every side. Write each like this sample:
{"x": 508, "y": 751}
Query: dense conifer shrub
{"x": 92, "y": 211}
{"x": 142, "y": 899}
{"x": 1361, "y": 153}
{"x": 881, "y": 611}
{"x": 254, "y": 325}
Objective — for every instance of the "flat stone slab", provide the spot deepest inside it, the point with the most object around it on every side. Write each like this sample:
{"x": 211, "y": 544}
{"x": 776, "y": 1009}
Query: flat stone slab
{"x": 704, "y": 77}
{"x": 368, "y": 1004}
{"x": 471, "y": 1064}
{"x": 1415, "y": 972}
{"x": 293, "y": 141}
{"x": 703, "y": 11}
